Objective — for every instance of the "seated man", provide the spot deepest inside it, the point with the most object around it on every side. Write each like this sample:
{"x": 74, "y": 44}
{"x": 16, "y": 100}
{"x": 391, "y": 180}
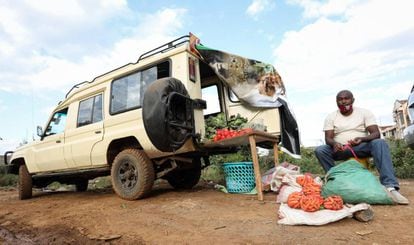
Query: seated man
{"x": 353, "y": 127}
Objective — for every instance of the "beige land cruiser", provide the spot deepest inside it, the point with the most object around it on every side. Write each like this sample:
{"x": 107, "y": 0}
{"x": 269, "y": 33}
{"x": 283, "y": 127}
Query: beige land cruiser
{"x": 142, "y": 121}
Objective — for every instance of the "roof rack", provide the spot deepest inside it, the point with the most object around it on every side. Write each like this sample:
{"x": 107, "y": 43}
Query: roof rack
{"x": 165, "y": 47}
{"x": 75, "y": 86}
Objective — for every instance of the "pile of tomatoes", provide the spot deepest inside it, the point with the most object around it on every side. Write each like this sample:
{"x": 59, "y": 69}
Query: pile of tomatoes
{"x": 225, "y": 133}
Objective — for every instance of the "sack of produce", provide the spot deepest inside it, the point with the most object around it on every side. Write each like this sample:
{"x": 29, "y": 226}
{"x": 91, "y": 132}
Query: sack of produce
{"x": 355, "y": 184}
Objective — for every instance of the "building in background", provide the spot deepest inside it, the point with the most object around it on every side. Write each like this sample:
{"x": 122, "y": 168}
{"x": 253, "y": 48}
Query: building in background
{"x": 388, "y": 132}
{"x": 401, "y": 118}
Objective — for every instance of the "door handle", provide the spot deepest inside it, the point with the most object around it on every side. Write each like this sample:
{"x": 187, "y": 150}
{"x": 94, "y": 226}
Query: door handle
{"x": 58, "y": 141}
{"x": 98, "y": 132}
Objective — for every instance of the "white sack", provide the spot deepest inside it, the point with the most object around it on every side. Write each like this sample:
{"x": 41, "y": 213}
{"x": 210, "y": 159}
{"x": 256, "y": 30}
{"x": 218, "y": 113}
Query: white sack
{"x": 291, "y": 216}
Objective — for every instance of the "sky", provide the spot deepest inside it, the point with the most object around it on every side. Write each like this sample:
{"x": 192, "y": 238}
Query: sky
{"x": 318, "y": 47}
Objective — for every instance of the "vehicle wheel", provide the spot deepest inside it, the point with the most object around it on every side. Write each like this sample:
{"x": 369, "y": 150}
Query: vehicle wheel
{"x": 132, "y": 174}
{"x": 163, "y": 112}
{"x": 186, "y": 178}
{"x": 82, "y": 185}
{"x": 25, "y": 183}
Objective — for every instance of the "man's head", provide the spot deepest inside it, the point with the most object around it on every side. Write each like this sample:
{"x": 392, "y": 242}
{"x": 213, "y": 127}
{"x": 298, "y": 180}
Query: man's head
{"x": 344, "y": 101}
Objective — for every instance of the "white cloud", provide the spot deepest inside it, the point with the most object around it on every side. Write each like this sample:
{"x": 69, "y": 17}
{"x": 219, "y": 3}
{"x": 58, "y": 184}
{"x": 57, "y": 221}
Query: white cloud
{"x": 316, "y": 9}
{"x": 258, "y": 6}
{"x": 366, "y": 47}
{"x": 52, "y": 47}
{"x": 50, "y": 67}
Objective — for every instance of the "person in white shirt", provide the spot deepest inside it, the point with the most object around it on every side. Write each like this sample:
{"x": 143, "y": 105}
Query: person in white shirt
{"x": 355, "y": 128}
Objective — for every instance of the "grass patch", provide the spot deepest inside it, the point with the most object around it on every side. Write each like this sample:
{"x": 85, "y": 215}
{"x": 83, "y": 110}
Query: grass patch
{"x": 8, "y": 180}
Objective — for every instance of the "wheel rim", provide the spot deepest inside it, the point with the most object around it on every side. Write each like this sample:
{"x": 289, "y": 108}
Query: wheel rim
{"x": 128, "y": 175}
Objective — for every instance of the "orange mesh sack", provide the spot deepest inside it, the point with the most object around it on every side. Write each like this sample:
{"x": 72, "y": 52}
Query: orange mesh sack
{"x": 333, "y": 203}
{"x": 304, "y": 179}
{"x": 319, "y": 198}
{"x": 311, "y": 189}
{"x": 310, "y": 203}
{"x": 294, "y": 199}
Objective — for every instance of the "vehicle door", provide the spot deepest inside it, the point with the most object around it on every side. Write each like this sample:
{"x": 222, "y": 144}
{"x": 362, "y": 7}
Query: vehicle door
{"x": 221, "y": 99}
{"x": 260, "y": 118}
{"x": 48, "y": 153}
{"x": 81, "y": 138}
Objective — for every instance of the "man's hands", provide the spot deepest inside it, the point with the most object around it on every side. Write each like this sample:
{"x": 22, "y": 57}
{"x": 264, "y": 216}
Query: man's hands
{"x": 329, "y": 139}
{"x": 356, "y": 141}
{"x": 338, "y": 147}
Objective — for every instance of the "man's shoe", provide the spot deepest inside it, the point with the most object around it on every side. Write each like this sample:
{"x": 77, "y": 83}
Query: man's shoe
{"x": 397, "y": 197}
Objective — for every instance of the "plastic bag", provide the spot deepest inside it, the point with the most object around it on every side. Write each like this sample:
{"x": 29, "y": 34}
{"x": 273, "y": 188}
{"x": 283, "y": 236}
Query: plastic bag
{"x": 275, "y": 177}
{"x": 354, "y": 184}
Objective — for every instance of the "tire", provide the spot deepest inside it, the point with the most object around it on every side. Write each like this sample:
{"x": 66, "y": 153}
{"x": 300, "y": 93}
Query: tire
{"x": 82, "y": 185}
{"x": 186, "y": 178}
{"x": 160, "y": 111}
{"x": 25, "y": 183}
{"x": 132, "y": 174}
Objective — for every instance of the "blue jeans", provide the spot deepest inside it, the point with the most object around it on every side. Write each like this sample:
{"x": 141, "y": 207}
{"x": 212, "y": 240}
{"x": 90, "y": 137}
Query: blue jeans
{"x": 377, "y": 148}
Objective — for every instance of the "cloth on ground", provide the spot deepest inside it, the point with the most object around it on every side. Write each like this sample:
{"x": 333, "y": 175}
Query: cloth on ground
{"x": 290, "y": 216}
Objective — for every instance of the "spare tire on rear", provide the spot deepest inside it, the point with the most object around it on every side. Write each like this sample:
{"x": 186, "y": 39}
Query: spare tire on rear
{"x": 167, "y": 112}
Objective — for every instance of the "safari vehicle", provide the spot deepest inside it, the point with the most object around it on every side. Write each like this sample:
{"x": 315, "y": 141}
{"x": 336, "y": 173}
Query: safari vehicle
{"x": 409, "y": 131}
{"x": 136, "y": 123}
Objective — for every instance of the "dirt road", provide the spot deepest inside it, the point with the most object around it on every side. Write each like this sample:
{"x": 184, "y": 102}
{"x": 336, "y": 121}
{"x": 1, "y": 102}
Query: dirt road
{"x": 200, "y": 216}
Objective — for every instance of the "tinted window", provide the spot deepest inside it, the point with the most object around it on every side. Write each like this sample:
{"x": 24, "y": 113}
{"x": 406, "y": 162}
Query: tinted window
{"x": 128, "y": 92}
{"x": 90, "y": 111}
{"x": 97, "y": 109}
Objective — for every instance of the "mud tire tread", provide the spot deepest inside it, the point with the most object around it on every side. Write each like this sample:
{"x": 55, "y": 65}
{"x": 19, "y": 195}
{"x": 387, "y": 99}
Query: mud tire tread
{"x": 146, "y": 174}
{"x": 25, "y": 183}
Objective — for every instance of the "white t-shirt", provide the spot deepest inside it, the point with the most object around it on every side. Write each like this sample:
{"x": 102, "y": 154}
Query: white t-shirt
{"x": 348, "y": 127}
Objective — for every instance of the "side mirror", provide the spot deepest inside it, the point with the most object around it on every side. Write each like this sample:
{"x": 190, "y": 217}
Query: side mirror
{"x": 39, "y": 131}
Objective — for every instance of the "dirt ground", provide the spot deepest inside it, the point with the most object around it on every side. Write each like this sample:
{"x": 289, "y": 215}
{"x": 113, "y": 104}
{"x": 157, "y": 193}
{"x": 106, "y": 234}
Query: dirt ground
{"x": 199, "y": 216}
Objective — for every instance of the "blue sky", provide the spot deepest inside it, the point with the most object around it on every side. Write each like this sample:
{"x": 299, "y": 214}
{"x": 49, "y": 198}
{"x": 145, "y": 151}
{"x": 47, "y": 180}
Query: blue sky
{"x": 318, "y": 47}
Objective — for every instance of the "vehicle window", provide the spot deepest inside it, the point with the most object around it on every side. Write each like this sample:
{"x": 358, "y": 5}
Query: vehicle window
{"x": 57, "y": 123}
{"x": 232, "y": 96}
{"x": 211, "y": 96}
{"x": 97, "y": 114}
{"x": 127, "y": 93}
{"x": 90, "y": 111}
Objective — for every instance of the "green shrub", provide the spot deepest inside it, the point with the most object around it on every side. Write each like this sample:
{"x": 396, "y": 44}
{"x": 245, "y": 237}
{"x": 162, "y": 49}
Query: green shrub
{"x": 8, "y": 179}
{"x": 403, "y": 158}
{"x": 213, "y": 173}
{"x": 308, "y": 163}
{"x": 2, "y": 169}
{"x": 100, "y": 183}
{"x": 56, "y": 185}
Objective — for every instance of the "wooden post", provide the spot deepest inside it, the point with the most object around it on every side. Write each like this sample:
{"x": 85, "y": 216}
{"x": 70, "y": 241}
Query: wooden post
{"x": 256, "y": 167}
{"x": 276, "y": 154}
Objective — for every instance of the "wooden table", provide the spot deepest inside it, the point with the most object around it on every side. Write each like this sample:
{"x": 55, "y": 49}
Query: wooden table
{"x": 254, "y": 139}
